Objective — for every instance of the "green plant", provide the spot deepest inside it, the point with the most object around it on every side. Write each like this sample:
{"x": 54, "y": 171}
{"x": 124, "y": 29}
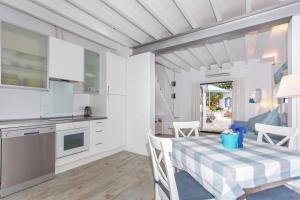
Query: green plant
{"x": 216, "y": 97}
{"x": 214, "y": 101}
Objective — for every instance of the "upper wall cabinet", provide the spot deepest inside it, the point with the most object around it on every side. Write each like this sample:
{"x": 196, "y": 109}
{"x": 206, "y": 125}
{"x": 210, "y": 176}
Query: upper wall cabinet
{"x": 23, "y": 57}
{"x": 66, "y": 60}
{"x": 91, "y": 72}
{"x": 116, "y": 74}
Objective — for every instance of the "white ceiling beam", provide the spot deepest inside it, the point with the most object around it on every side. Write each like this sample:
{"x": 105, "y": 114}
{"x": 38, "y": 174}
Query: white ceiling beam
{"x": 244, "y": 24}
{"x": 194, "y": 52}
{"x": 186, "y": 61}
{"x": 197, "y": 58}
{"x": 108, "y": 4}
{"x": 165, "y": 62}
{"x": 172, "y": 59}
{"x": 228, "y": 52}
{"x": 248, "y": 4}
{"x": 186, "y": 13}
{"x": 79, "y": 7}
{"x": 170, "y": 68}
{"x": 216, "y": 9}
{"x": 46, "y": 16}
{"x": 64, "y": 10}
{"x": 211, "y": 52}
{"x": 157, "y": 17}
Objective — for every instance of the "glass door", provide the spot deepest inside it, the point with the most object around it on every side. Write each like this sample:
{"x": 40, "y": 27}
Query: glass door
{"x": 216, "y": 106}
{"x": 92, "y": 72}
{"x": 23, "y": 57}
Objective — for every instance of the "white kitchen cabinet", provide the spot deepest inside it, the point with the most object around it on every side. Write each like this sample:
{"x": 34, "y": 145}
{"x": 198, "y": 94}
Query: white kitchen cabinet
{"x": 23, "y": 58}
{"x": 116, "y": 74}
{"x": 98, "y": 136}
{"x": 116, "y": 121}
{"x": 66, "y": 60}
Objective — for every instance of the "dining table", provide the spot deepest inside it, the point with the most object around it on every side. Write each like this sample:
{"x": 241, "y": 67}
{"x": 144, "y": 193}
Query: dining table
{"x": 226, "y": 173}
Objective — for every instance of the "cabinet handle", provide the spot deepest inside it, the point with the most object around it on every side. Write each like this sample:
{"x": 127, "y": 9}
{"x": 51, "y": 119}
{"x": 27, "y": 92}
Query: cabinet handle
{"x": 99, "y": 143}
{"x": 99, "y": 122}
{"x": 99, "y": 131}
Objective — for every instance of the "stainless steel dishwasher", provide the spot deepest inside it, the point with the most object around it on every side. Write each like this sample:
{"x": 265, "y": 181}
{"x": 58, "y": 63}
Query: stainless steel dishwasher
{"x": 27, "y": 157}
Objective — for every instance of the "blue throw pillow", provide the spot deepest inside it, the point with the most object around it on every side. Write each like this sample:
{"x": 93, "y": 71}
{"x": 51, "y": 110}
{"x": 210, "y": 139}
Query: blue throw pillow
{"x": 273, "y": 118}
{"x": 257, "y": 119}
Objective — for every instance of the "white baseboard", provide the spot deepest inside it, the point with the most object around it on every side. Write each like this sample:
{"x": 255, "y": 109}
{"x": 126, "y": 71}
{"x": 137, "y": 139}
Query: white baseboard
{"x": 71, "y": 165}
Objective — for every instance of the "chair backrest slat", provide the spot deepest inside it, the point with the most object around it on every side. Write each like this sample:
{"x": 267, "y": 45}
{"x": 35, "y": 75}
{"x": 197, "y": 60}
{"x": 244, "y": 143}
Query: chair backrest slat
{"x": 289, "y": 134}
{"x": 160, "y": 149}
{"x": 193, "y": 126}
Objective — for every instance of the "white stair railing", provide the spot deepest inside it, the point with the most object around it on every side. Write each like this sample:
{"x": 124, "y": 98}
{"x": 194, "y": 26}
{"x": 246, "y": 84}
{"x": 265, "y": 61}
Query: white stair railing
{"x": 165, "y": 86}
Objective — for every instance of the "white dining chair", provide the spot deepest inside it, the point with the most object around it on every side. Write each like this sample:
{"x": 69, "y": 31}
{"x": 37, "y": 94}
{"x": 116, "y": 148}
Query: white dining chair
{"x": 168, "y": 184}
{"x": 194, "y": 127}
{"x": 288, "y": 135}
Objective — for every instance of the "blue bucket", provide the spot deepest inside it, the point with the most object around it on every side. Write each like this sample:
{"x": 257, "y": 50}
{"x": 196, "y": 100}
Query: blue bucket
{"x": 230, "y": 141}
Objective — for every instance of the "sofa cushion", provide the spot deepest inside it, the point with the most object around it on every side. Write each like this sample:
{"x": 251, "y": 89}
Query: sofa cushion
{"x": 257, "y": 119}
{"x": 272, "y": 118}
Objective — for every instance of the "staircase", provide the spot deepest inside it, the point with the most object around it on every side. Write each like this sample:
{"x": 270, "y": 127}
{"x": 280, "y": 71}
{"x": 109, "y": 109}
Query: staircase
{"x": 164, "y": 104}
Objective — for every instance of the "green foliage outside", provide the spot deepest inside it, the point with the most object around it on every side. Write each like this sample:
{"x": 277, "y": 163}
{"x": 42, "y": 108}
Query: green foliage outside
{"x": 216, "y": 97}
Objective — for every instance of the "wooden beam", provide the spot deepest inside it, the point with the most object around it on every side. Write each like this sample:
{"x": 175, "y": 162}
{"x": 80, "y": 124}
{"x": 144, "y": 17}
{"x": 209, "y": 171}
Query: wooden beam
{"x": 186, "y": 61}
{"x": 168, "y": 67}
{"x": 186, "y": 13}
{"x": 157, "y": 17}
{"x": 216, "y": 9}
{"x": 228, "y": 52}
{"x": 165, "y": 61}
{"x": 79, "y": 7}
{"x": 63, "y": 10}
{"x": 230, "y": 28}
{"x": 195, "y": 53}
{"x": 211, "y": 52}
{"x": 108, "y": 4}
{"x": 15, "y": 7}
{"x": 196, "y": 57}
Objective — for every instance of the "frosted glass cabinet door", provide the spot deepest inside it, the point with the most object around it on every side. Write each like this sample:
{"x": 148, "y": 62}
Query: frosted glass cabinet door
{"x": 23, "y": 57}
{"x": 91, "y": 72}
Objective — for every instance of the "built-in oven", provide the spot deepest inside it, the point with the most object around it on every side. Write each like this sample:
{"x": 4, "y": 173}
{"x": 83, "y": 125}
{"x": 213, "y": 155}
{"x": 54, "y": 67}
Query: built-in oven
{"x": 72, "y": 139}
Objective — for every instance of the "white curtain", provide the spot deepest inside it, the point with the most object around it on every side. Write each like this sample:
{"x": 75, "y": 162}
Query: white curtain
{"x": 196, "y": 102}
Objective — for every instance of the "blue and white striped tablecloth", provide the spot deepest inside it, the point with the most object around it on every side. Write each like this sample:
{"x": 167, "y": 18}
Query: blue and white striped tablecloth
{"x": 226, "y": 173}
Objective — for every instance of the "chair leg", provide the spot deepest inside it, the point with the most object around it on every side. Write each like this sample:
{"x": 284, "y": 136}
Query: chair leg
{"x": 157, "y": 196}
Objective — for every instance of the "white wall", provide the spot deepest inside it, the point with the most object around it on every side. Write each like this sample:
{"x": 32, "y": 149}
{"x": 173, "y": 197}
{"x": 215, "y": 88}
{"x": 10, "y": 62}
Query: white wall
{"x": 21, "y": 104}
{"x": 140, "y": 101}
{"x": 294, "y": 68}
{"x": 255, "y": 75}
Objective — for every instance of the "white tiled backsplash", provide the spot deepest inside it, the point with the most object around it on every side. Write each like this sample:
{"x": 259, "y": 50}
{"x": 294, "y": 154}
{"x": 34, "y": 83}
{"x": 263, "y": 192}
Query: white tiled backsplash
{"x": 20, "y": 104}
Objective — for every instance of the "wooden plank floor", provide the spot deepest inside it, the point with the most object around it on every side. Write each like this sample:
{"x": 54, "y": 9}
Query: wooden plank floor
{"x": 123, "y": 176}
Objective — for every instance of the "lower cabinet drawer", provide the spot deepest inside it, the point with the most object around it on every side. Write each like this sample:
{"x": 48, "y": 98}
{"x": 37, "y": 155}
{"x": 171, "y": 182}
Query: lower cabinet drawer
{"x": 98, "y": 123}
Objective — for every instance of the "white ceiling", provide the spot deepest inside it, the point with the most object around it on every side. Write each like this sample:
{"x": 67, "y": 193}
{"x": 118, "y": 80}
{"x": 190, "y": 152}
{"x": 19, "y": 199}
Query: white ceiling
{"x": 132, "y": 23}
{"x": 135, "y": 22}
{"x": 267, "y": 45}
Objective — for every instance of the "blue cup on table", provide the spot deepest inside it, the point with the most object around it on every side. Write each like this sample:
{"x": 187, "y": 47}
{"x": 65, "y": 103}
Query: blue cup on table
{"x": 242, "y": 130}
{"x": 230, "y": 141}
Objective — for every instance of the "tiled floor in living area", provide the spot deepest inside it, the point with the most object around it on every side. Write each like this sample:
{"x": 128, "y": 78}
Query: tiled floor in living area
{"x": 123, "y": 176}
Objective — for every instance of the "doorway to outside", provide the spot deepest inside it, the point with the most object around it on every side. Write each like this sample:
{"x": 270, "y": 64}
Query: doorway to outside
{"x": 216, "y": 106}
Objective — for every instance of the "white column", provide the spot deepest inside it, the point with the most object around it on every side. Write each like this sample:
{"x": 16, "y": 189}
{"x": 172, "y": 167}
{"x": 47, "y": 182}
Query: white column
{"x": 294, "y": 67}
{"x": 140, "y": 101}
